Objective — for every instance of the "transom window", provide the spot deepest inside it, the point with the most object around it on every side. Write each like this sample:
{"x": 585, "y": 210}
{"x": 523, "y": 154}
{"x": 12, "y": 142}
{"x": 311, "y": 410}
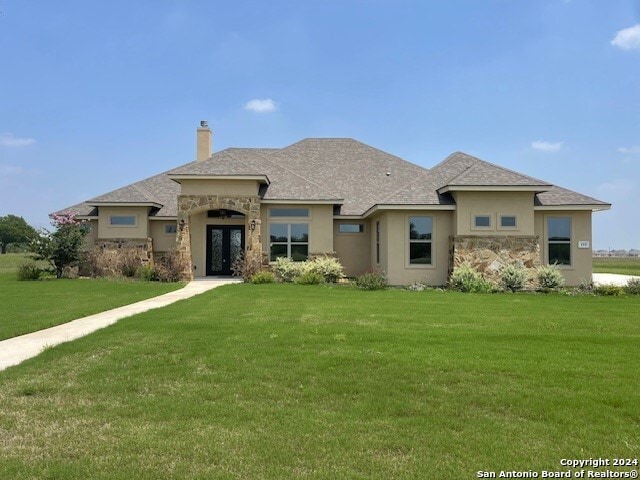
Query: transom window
{"x": 351, "y": 228}
{"x": 170, "y": 228}
{"x": 122, "y": 220}
{"x": 420, "y": 232}
{"x": 288, "y": 212}
{"x": 508, "y": 221}
{"x": 482, "y": 221}
{"x": 289, "y": 240}
{"x": 559, "y": 240}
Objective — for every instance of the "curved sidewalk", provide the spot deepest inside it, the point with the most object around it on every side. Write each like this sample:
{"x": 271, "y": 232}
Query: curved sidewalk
{"x": 17, "y": 349}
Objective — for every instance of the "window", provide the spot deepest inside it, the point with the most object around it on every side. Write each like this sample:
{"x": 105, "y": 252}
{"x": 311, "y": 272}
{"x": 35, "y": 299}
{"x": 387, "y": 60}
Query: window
{"x": 170, "y": 228}
{"x": 122, "y": 220}
{"x": 378, "y": 242}
{"x": 559, "y": 240}
{"x": 289, "y": 240}
{"x": 420, "y": 230}
{"x": 224, "y": 213}
{"x": 508, "y": 221}
{"x": 351, "y": 228}
{"x": 288, "y": 212}
{"x": 482, "y": 221}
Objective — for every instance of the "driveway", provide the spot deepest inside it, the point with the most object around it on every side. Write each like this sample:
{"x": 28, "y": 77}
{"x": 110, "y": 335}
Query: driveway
{"x": 612, "y": 279}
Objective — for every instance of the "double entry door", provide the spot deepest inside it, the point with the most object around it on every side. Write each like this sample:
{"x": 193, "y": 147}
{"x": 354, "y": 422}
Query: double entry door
{"x": 224, "y": 244}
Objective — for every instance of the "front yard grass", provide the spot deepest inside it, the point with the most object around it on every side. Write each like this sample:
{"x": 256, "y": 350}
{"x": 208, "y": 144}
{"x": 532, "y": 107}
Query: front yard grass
{"x": 33, "y": 305}
{"x": 289, "y": 381}
{"x": 624, "y": 266}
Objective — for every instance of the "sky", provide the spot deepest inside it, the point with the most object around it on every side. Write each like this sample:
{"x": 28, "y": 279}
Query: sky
{"x": 98, "y": 95}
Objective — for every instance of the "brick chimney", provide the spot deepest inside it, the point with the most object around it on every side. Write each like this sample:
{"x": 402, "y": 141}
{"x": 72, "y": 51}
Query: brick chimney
{"x": 204, "y": 142}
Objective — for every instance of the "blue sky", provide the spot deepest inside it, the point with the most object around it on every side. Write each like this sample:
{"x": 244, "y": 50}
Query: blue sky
{"x": 97, "y": 95}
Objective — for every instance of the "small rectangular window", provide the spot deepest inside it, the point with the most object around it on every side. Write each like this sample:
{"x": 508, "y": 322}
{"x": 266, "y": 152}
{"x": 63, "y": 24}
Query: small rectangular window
{"x": 289, "y": 212}
{"x": 508, "y": 221}
{"x": 559, "y": 240}
{"x": 482, "y": 221}
{"x": 122, "y": 220}
{"x": 351, "y": 228}
{"x": 420, "y": 232}
{"x": 170, "y": 228}
{"x": 378, "y": 243}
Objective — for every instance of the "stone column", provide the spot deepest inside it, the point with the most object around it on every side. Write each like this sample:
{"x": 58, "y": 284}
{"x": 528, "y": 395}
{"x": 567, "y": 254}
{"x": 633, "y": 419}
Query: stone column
{"x": 183, "y": 241}
{"x": 254, "y": 237}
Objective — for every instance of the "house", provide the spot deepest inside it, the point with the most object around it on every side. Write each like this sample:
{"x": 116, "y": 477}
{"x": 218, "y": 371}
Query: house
{"x": 338, "y": 196}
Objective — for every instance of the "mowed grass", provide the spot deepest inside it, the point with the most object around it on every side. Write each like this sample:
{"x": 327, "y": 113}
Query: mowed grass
{"x": 9, "y": 262}
{"x": 29, "y": 306}
{"x": 288, "y": 381}
{"x": 624, "y": 266}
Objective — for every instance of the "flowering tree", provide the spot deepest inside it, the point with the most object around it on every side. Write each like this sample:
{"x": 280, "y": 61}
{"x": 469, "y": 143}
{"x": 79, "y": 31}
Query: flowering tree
{"x": 62, "y": 247}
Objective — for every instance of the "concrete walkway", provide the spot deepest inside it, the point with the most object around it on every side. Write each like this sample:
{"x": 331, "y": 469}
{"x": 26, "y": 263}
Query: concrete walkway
{"x": 17, "y": 349}
{"x": 612, "y": 279}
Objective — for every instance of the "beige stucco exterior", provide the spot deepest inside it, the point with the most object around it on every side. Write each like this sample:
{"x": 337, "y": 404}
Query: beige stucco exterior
{"x": 220, "y": 187}
{"x": 353, "y": 249}
{"x": 494, "y": 204}
{"x": 140, "y": 230}
{"x": 162, "y": 242}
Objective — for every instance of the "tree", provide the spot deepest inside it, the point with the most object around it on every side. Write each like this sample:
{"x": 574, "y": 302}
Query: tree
{"x": 14, "y": 229}
{"x": 62, "y": 247}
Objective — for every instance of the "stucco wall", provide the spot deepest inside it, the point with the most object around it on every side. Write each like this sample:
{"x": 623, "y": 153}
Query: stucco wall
{"x": 581, "y": 258}
{"x": 140, "y": 230}
{"x": 494, "y": 204}
{"x": 353, "y": 249}
{"x": 90, "y": 239}
{"x": 220, "y": 187}
{"x": 162, "y": 242}
{"x": 396, "y": 247}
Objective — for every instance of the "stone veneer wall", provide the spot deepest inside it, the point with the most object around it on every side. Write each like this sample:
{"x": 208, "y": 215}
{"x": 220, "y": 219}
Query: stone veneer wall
{"x": 488, "y": 254}
{"x": 110, "y": 249}
{"x": 189, "y": 205}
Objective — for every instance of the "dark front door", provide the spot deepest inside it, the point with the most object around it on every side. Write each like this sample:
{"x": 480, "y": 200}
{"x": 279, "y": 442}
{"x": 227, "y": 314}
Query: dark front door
{"x": 224, "y": 244}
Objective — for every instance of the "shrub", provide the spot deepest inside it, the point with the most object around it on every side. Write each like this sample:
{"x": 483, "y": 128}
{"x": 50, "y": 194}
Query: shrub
{"x": 246, "y": 265}
{"x": 287, "y": 270}
{"x": 467, "y": 279}
{"x": 633, "y": 286}
{"x": 586, "y": 286}
{"x": 416, "y": 287}
{"x": 171, "y": 267}
{"x": 513, "y": 277}
{"x": 29, "y": 271}
{"x": 329, "y": 268}
{"x": 310, "y": 278}
{"x": 609, "y": 290}
{"x": 372, "y": 281}
{"x": 129, "y": 261}
{"x": 549, "y": 277}
{"x": 263, "y": 276}
{"x": 147, "y": 273}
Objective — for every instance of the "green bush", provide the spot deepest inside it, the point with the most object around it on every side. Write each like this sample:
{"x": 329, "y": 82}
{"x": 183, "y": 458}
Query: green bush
{"x": 467, "y": 279}
{"x": 310, "y": 278}
{"x": 129, "y": 261}
{"x": 263, "y": 276}
{"x": 329, "y": 268}
{"x": 287, "y": 270}
{"x": 417, "y": 287}
{"x": 549, "y": 277}
{"x": 29, "y": 271}
{"x": 513, "y": 277}
{"x": 147, "y": 273}
{"x": 609, "y": 290}
{"x": 633, "y": 286}
{"x": 586, "y": 286}
{"x": 372, "y": 281}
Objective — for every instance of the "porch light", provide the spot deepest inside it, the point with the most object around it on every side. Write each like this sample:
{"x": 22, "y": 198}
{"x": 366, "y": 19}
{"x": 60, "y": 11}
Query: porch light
{"x": 252, "y": 225}
{"x": 182, "y": 224}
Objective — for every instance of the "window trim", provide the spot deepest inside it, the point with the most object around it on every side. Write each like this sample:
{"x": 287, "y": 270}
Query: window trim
{"x": 503, "y": 215}
{"x": 569, "y": 242}
{"x": 475, "y": 216}
{"x": 164, "y": 229}
{"x": 359, "y": 224}
{"x": 134, "y": 225}
{"x": 289, "y": 243}
{"x": 409, "y": 241}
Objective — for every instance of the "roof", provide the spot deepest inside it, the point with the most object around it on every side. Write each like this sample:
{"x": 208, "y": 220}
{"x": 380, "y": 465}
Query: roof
{"x": 342, "y": 171}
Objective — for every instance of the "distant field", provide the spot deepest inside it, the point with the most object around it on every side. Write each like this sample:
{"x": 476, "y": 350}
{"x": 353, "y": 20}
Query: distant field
{"x": 624, "y": 266}
{"x": 9, "y": 262}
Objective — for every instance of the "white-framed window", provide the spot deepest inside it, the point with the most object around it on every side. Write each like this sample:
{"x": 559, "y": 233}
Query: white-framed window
{"x": 481, "y": 222}
{"x": 289, "y": 240}
{"x": 508, "y": 222}
{"x": 559, "y": 240}
{"x": 351, "y": 228}
{"x": 170, "y": 228}
{"x": 420, "y": 240}
{"x": 288, "y": 212}
{"x": 122, "y": 220}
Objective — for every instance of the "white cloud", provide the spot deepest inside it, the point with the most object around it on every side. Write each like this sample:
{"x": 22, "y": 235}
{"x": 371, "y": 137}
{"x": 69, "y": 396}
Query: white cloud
{"x": 617, "y": 189}
{"x": 261, "y": 105}
{"x": 10, "y": 140}
{"x": 631, "y": 150}
{"x": 546, "y": 146}
{"x": 628, "y": 38}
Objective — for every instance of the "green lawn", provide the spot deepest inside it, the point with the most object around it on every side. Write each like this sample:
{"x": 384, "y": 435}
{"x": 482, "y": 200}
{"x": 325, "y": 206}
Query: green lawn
{"x": 33, "y": 305}
{"x": 624, "y": 266}
{"x": 288, "y": 381}
{"x": 9, "y": 262}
